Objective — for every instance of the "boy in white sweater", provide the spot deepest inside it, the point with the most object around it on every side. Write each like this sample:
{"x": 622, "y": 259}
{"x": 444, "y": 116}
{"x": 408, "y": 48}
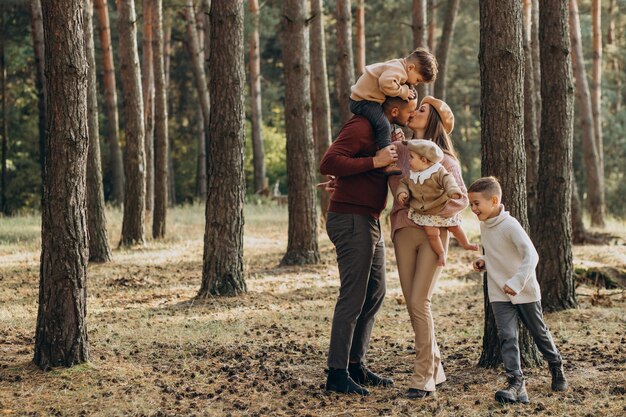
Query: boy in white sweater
{"x": 510, "y": 260}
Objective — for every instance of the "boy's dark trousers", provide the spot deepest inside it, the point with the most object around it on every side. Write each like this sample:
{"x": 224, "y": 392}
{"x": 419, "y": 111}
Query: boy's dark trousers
{"x": 374, "y": 114}
{"x": 507, "y": 315}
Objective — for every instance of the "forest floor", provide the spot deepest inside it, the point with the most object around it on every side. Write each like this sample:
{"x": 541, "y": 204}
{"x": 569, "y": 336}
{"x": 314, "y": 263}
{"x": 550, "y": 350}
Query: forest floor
{"x": 156, "y": 350}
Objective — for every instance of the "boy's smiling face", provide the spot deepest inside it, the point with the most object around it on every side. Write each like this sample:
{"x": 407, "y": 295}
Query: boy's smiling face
{"x": 484, "y": 207}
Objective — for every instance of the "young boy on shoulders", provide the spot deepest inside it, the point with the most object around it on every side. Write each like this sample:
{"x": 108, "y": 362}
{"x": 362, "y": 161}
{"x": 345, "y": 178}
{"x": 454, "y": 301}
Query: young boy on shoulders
{"x": 510, "y": 260}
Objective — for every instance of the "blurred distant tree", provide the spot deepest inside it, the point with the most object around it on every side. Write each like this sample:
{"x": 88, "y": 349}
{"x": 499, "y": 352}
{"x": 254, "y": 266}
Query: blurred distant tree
{"x": 345, "y": 61}
{"x": 161, "y": 142}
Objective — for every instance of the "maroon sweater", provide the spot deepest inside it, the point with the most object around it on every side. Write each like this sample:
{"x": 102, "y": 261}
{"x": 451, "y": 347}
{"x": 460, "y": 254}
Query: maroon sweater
{"x": 360, "y": 188}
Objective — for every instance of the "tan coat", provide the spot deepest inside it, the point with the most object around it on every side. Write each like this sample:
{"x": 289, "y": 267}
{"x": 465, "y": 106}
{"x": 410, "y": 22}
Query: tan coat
{"x": 380, "y": 80}
{"x": 430, "y": 197}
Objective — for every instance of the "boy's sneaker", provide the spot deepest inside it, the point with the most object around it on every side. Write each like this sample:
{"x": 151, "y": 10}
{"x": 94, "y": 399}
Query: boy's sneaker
{"x": 338, "y": 380}
{"x": 515, "y": 392}
{"x": 559, "y": 383}
{"x": 363, "y": 376}
{"x": 392, "y": 169}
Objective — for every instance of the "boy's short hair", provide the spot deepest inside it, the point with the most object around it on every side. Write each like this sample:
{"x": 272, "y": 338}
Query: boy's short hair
{"x": 426, "y": 64}
{"x": 487, "y": 186}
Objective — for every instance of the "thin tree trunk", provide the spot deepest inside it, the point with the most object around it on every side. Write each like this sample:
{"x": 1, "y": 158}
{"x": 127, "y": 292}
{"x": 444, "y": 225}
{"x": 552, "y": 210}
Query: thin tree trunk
{"x": 345, "y": 61}
{"x": 40, "y": 80}
{"x": 534, "y": 46}
{"x": 501, "y": 60}
{"x": 61, "y": 333}
{"x": 432, "y": 24}
{"x": 134, "y": 158}
{"x": 444, "y": 48}
{"x": 147, "y": 87}
{"x": 360, "y": 37}
{"x": 160, "y": 127}
{"x": 592, "y": 161}
{"x": 167, "y": 47}
{"x": 302, "y": 247}
{"x": 5, "y": 124}
{"x": 419, "y": 36}
{"x": 531, "y": 133}
{"x": 579, "y": 232}
{"x": 554, "y": 235}
{"x": 319, "y": 94}
{"x": 110, "y": 95}
{"x": 167, "y": 44}
{"x": 171, "y": 178}
{"x": 99, "y": 250}
{"x": 197, "y": 62}
{"x": 258, "y": 151}
{"x": 597, "y": 215}
{"x": 222, "y": 270}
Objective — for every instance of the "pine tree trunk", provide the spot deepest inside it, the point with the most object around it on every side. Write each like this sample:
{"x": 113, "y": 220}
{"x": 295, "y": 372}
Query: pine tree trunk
{"x": 99, "y": 250}
{"x": 598, "y": 214}
{"x": 40, "y": 77}
{"x": 302, "y": 247}
{"x": 134, "y": 158}
{"x": 360, "y": 37}
{"x": 579, "y": 232}
{"x": 160, "y": 126}
{"x": 61, "y": 333}
{"x": 432, "y": 23}
{"x": 531, "y": 133}
{"x": 319, "y": 94}
{"x": 501, "y": 60}
{"x": 419, "y": 36}
{"x": 592, "y": 163}
{"x": 5, "y": 125}
{"x": 222, "y": 271}
{"x": 444, "y": 48}
{"x": 554, "y": 235}
{"x": 147, "y": 87}
{"x": 258, "y": 151}
{"x": 197, "y": 62}
{"x": 345, "y": 61}
{"x": 534, "y": 46}
{"x": 114, "y": 164}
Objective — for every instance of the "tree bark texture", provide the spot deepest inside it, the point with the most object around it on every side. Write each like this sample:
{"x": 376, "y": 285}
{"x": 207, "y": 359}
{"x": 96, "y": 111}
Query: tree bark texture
{"x": 534, "y": 46}
{"x": 579, "y": 232}
{"x": 590, "y": 151}
{"x": 345, "y": 60}
{"x": 319, "y": 94}
{"x": 597, "y": 213}
{"x": 40, "y": 78}
{"x": 147, "y": 88}
{"x": 420, "y": 36}
{"x": 258, "y": 151}
{"x": 501, "y": 61}
{"x": 5, "y": 124}
{"x": 432, "y": 23}
{"x": 443, "y": 48}
{"x": 360, "y": 37}
{"x": 554, "y": 235}
{"x": 99, "y": 250}
{"x": 222, "y": 271}
{"x": 302, "y": 246}
{"x": 160, "y": 126}
{"x": 134, "y": 158}
{"x": 114, "y": 164}
{"x": 61, "y": 333}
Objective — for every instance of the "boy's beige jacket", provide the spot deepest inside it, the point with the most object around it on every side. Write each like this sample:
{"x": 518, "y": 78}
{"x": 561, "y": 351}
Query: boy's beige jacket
{"x": 380, "y": 80}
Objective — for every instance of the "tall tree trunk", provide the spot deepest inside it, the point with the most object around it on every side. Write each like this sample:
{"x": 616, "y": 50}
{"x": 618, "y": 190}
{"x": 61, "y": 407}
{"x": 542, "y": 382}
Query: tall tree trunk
{"x": 579, "y": 232}
{"x": 611, "y": 38}
{"x": 167, "y": 47}
{"x": 360, "y": 37}
{"x": 114, "y": 163}
{"x": 534, "y": 46}
{"x": 99, "y": 250}
{"x": 197, "y": 61}
{"x": 5, "y": 121}
{"x": 531, "y": 133}
{"x": 419, "y": 36}
{"x": 444, "y": 48}
{"x": 160, "y": 126}
{"x": 302, "y": 247}
{"x": 134, "y": 158}
{"x": 61, "y": 333}
{"x": 598, "y": 214}
{"x": 147, "y": 87}
{"x": 40, "y": 77}
{"x": 592, "y": 162}
{"x": 345, "y": 62}
{"x": 258, "y": 152}
{"x": 554, "y": 235}
{"x": 222, "y": 270}
{"x": 501, "y": 60}
{"x": 319, "y": 93}
{"x": 432, "y": 23}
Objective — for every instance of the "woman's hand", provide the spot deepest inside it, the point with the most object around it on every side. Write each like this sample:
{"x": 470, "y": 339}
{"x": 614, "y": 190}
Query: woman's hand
{"x": 328, "y": 186}
{"x": 397, "y": 134}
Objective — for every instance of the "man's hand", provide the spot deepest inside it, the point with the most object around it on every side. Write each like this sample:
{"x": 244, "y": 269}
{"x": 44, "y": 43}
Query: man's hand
{"x": 385, "y": 156}
{"x": 328, "y": 186}
{"x": 508, "y": 290}
{"x": 479, "y": 265}
{"x": 403, "y": 198}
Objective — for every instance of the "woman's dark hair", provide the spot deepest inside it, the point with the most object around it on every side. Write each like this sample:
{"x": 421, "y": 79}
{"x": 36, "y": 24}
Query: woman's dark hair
{"x": 436, "y": 132}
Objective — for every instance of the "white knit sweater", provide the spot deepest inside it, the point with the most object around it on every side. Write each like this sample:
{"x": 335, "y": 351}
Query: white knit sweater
{"x": 510, "y": 258}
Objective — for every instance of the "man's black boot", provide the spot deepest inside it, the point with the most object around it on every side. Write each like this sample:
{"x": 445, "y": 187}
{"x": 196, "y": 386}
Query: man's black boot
{"x": 515, "y": 392}
{"x": 338, "y": 380}
{"x": 559, "y": 383}
{"x": 363, "y": 376}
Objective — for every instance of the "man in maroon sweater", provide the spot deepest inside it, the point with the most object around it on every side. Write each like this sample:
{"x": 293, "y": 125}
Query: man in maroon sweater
{"x": 359, "y": 196}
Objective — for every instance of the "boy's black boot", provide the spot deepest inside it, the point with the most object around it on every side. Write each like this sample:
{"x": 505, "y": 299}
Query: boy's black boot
{"x": 559, "y": 383}
{"x": 338, "y": 380}
{"x": 363, "y": 376}
{"x": 515, "y": 391}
